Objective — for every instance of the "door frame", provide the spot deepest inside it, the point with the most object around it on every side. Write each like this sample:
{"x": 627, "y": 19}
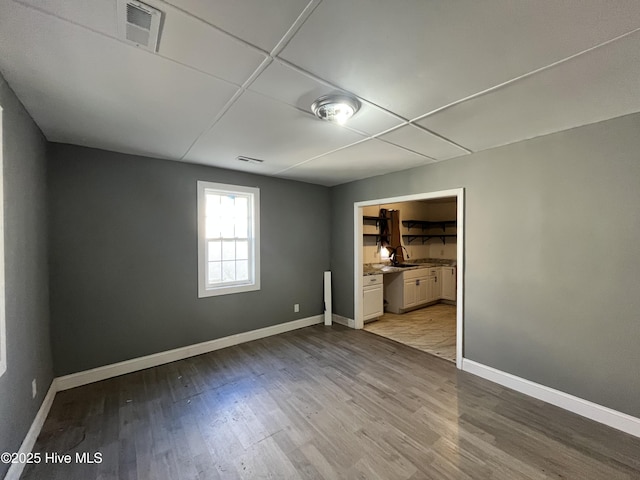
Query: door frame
{"x": 358, "y": 256}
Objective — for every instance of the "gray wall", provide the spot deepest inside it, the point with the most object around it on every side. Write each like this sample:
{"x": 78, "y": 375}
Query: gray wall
{"x": 124, "y": 259}
{"x": 552, "y": 277}
{"x": 26, "y": 273}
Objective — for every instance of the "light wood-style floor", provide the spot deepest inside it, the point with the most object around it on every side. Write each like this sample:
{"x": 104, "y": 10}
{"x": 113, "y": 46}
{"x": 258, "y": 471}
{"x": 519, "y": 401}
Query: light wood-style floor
{"x": 430, "y": 329}
{"x": 322, "y": 403}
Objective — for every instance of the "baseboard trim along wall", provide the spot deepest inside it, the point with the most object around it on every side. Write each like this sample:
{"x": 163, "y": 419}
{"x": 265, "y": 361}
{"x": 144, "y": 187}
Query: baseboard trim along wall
{"x": 593, "y": 411}
{"x": 347, "y": 322}
{"x": 612, "y": 418}
{"x": 108, "y": 371}
{"x": 15, "y": 470}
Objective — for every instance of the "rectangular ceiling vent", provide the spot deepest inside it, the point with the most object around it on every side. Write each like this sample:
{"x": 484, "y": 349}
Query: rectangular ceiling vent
{"x": 139, "y": 24}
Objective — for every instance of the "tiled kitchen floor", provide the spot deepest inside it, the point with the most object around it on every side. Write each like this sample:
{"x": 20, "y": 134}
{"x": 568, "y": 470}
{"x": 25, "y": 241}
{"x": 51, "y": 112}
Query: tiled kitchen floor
{"x": 430, "y": 329}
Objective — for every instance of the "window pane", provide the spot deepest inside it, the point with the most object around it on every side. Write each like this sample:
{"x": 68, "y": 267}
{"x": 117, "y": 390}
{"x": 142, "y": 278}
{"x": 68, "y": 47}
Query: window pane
{"x": 227, "y": 209}
{"x": 214, "y": 208}
{"x": 227, "y": 201}
{"x": 215, "y": 251}
{"x": 212, "y": 216}
{"x": 229, "y": 250}
{"x": 226, "y": 226}
{"x": 241, "y": 205}
{"x": 242, "y": 215}
{"x": 228, "y": 271}
{"x": 242, "y": 228}
{"x": 212, "y": 227}
{"x": 242, "y": 250}
{"x": 242, "y": 270}
{"x": 213, "y": 201}
{"x": 215, "y": 272}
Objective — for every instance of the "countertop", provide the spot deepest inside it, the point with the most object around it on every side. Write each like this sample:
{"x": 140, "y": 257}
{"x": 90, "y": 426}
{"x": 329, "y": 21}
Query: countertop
{"x": 379, "y": 268}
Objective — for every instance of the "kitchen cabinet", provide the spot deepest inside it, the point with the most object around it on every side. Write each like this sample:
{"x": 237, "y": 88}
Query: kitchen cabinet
{"x": 434, "y": 289}
{"x": 415, "y": 292}
{"x": 423, "y": 290}
{"x": 416, "y": 288}
{"x": 373, "y": 298}
{"x": 448, "y": 283}
{"x": 410, "y": 289}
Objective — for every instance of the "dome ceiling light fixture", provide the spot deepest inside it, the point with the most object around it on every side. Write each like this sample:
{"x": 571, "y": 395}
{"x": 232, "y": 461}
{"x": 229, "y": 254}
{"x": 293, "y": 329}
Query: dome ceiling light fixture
{"x": 335, "y": 108}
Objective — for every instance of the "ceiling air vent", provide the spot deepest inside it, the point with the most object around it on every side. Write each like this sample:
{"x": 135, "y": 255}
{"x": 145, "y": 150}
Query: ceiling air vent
{"x": 139, "y": 24}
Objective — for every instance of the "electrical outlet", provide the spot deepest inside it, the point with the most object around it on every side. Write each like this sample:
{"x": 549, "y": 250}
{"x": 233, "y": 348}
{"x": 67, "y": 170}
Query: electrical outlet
{"x": 34, "y": 388}
{"x": 296, "y": 307}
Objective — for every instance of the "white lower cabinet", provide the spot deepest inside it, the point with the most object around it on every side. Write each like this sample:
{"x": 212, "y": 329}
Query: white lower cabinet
{"x": 415, "y": 291}
{"x": 448, "y": 283}
{"x": 434, "y": 285}
{"x": 407, "y": 290}
{"x": 413, "y": 288}
{"x": 373, "y": 297}
{"x": 423, "y": 290}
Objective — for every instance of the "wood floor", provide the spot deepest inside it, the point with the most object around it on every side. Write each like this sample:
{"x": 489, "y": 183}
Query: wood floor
{"x": 430, "y": 329}
{"x": 322, "y": 403}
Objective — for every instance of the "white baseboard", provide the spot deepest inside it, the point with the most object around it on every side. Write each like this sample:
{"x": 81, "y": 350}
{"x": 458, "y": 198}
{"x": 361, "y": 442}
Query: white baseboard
{"x": 613, "y": 418}
{"x": 347, "y": 322}
{"x": 102, "y": 373}
{"x": 15, "y": 470}
{"x": 108, "y": 371}
{"x": 607, "y": 416}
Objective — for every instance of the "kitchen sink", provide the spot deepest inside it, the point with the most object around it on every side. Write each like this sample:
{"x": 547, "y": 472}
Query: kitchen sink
{"x": 406, "y": 265}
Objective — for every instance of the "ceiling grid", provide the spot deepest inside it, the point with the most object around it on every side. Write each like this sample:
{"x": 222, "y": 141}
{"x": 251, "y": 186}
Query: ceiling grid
{"x": 436, "y": 80}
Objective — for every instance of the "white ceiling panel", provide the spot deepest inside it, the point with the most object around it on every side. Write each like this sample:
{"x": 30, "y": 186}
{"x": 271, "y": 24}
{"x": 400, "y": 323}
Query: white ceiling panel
{"x": 194, "y": 43}
{"x": 424, "y": 55}
{"x": 183, "y": 38}
{"x": 366, "y": 159}
{"x": 281, "y": 82}
{"x": 259, "y": 127}
{"x": 103, "y": 93}
{"x": 550, "y": 101}
{"x": 97, "y": 15}
{"x": 421, "y": 141}
{"x": 258, "y": 22}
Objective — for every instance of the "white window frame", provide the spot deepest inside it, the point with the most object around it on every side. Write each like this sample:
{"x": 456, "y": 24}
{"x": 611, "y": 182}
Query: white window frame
{"x": 205, "y": 290}
{"x": 3, "y": 326}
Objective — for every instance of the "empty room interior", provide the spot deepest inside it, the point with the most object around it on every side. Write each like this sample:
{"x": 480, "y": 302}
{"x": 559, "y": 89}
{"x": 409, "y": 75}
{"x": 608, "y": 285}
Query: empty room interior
{"x": 319, "y": 239}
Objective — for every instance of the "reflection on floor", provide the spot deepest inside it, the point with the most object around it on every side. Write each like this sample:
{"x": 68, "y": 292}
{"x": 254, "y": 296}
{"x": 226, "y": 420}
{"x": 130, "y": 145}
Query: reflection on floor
{"x": 430, "y": 329}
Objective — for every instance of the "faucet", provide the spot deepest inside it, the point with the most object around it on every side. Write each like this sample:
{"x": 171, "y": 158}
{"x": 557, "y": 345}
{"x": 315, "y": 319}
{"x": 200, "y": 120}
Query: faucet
{"x": 394, "y": 254}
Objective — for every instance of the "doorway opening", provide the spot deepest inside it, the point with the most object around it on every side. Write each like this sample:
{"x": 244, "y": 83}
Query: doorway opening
{"x": 417, "y": 237}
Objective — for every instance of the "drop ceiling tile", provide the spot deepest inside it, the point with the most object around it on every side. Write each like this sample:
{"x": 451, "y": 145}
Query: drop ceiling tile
{"x": 183, "y": 38}
{"x": 366, "y": 159}
{"x": 84, "y": 88}
{"x": 283, "y": 83}
{"x": 421, "y": 141}
{"x": 194, "y": 43}
{"x": 415, "y": 59}
{"x": 259, "y": 127}
{"x": 258, "y": 22}
{"x": 596, "y": 86}
{"x": 97, "y": 15}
